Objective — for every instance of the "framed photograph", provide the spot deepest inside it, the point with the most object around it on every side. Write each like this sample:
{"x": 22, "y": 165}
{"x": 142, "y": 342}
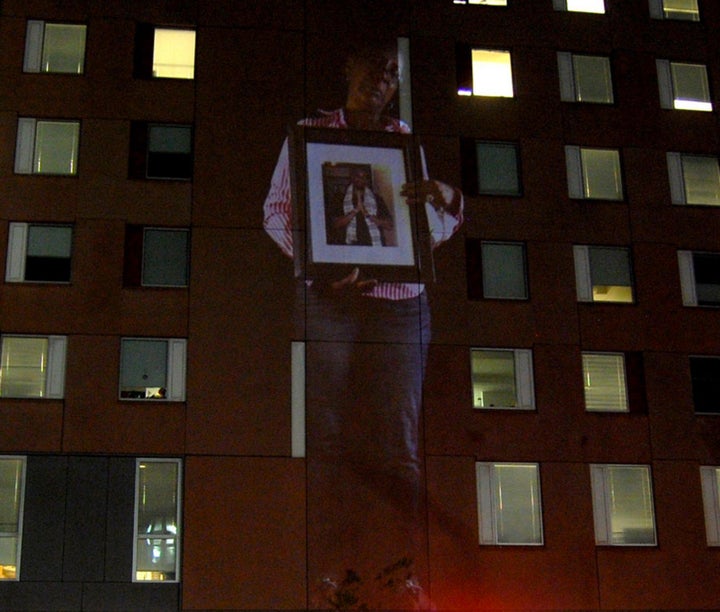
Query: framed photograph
{"x": 347, "y": 207}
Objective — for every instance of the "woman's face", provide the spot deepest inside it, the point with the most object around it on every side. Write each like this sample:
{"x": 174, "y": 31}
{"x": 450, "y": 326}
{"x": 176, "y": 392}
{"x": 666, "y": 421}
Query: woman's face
{"x": 372, "y": 81}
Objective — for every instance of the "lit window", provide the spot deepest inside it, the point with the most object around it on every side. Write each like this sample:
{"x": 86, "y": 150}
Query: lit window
{"x": 604, "y": 382}
{"x": 488, "y": 73}
{"x": 54, "y": 47}
{"x": 33, "y": 366}
{"x": 47, "y": 147}
{"x": 152, "y": 369}
{"x": 164, "y": 53}
{"x": 485, "y": 2}
{"x": 593, "y": 173}
{"x": 580, "y": 6}
{"x": 157, "y": 521}
{"x": 12, "y": 495}
{"x": 161, "y": 151}
{"x": 509, "y": 506}
{"x": 705, "y": 375}
{"x": 603, "y": 274}
{"x": 623, "y": 505}
{"x": 683, "y": 86}
{"x": 496, "y": 270}
{"x": 490, "y": 168}
{"x": 699, "y": 278}
{"x": 156, "y": 257}
{"x": 686, "y": 10}
{"x": 502, "y": 378}
{"x": 38, "y": 253}
{"x": 710, "y": 480}
{"x": 694, "y": 179}
{"x": 585, "y": 78}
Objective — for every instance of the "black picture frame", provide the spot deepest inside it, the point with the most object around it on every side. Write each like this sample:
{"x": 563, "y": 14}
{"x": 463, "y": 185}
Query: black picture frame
{"x": 322, "y": 164}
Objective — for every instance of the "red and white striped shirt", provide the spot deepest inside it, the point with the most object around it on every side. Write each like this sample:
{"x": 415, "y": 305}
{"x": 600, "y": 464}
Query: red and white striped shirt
{"x": 278, "y": 207}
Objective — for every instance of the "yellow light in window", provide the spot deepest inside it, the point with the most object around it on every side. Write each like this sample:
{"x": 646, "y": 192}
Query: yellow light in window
{"x": 612, "y": 293}
{"x": 492, "y": 73}
{"x": 174, "y": 54}
{"x": 586, "y": 6}
{"x": 695, "y": 105}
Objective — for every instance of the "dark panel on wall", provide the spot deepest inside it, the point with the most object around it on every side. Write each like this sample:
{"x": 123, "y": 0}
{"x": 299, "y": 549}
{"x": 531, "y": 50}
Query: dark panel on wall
{"x": 118, "y": 542}
{"x": 83, "y": 550}
{"x": 106, "y": 597}
{"x": 41, "y": 596}
{"x": 44, "y": 519}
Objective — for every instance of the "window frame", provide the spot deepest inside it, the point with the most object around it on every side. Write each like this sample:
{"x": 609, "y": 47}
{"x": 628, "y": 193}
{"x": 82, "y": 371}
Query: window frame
{"x": 688, "y": 283}
{"x": 577, "y": 178}
{"x": 21, "y": 512}
{"x": 658, "y": 11}
{"x": 523, "y": 379}
{"x": 567, "y": 72}
{"x": 562, "y": 5}
{"x": 709, "y": 476}
{"x": 584, "y": 285}
{"x": 17, "y": 253}
{"x": 471, "y": 175}
{"x": 175, "y": 370}
{"x": 487, "y": 504}
{"x": 145, "y": 37}
{"x": 54, "y": 385}
{"x": 466, "y": 72}
{"x": 134, "y": 264}
{"x": 26, "y": 147}
{"x": 602, "y": 509}
{"x": 483, "y": 260}
{"x": 139, "y": 164}
{"x": 622, "y": 391}
{"x": 35, "y": 46}
{"x": 666, "y": 87}
{"x": 482, "y": 2}
{"x": 677, "y": 177}
{"x": 178, "y": 519}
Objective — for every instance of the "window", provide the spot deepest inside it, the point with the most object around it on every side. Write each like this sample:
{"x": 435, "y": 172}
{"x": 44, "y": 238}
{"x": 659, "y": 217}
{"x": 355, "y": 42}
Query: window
{"x": 32, "y": 366}
{"x": 490, "y": 168}
{"x": 580, "y": 6}
{"x": 502, "y": 378}
{"x": 509, "y": 508}
{"x": 485, "y": 2}
{"x": 603, "y": 274}
{"x": 152, "y": 369}
{"x": 54, "y": 47}
{"x": 623, "y": 505}
{"x": 164, "y": 53}
{"x": 12, "y": 495}
{"x": 38, "y": 253}
{"x": 496, "y": 270}
{"x": 705, "y": 375}
{"x": 585, "y": 78}
{"x": 593, "y": 173}
{"x": 686, "y": 10}
{"x": 694, "y": 179}
{"x": 484, "y": 72}
{"x": 156, "y": 554}
{"x": 156, "y": 257}
{"x": 683, "y": 86}
{"x": 160, "y": 151}
{"x": 699, "y": 278}
{"x": 710, "y": 480}
{"x": 47, "y": 146}
{"x": 604, "y": 382}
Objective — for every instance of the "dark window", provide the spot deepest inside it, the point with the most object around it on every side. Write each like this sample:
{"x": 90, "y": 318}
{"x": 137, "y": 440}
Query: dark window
{"x": 496, "y": 270}
{"x": 156, "y": 257}
{"x": 160, "y": 151}
{"x": 490, "y": 168}
{"x": 705, "y": 374}
{"x": 707, "y": 278}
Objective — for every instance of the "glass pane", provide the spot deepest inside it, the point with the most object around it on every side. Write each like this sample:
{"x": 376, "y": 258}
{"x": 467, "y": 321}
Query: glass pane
{"x": 170, "y": 139}
{"x": 156, "y": 559}
{"x": 706, "y": 267}
{"x": 491, "y": 73}
{"x": 165, "y": 258}
{"x": 63, "y": 48}
{"x": 702, "y": 179}
{"x": 681, "y": 9}
{"x": 143, "y": 369}
{"x": 601, "y": 174}
{"x": 8, "y": 557}
{"x": 49, "y": 241}
{"x": 690, "y": 87}
{"x": 586, "y": 6}
{"x": 592, "y": 79}
{"x": 174, "y": 54}
{"x": 610, "y": 274}
{"x": 493, "y": 379}
{"x": 517, "y": 499}
{"x": 10, "y": 494}
{"x": 56, "y": 147}
{"x": 503, "y": 269}
{"x": 705, "y": 374}
{"x": 497, "y": 168}
{"x": 631, "y": 506}
{"x": 24, "y": 367}
{"x": 604, "y": 382}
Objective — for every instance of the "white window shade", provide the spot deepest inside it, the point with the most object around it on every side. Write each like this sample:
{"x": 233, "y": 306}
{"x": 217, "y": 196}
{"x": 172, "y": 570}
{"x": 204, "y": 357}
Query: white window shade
{"x": 687, "y": 278}
{"x": 604, "y": 382}
{"x": 12, "y": 498}
{"x": 174, "y": 53}
{"x": 710, "y": 481}
{"x": 297, "y": 399}
{"x": 17, "y": 251}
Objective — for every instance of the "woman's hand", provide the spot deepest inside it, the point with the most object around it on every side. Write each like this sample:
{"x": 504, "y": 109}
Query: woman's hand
{"x": 436, "y": 193}
{"x": 352, "y": 283}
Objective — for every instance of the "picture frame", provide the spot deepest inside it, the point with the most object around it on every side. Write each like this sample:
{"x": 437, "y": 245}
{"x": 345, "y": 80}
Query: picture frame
{"x": 348, "y": 211}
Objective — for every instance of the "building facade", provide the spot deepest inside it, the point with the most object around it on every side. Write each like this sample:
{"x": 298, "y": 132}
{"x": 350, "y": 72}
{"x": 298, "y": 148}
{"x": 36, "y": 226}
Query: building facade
{"x": 152, "y": 422}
